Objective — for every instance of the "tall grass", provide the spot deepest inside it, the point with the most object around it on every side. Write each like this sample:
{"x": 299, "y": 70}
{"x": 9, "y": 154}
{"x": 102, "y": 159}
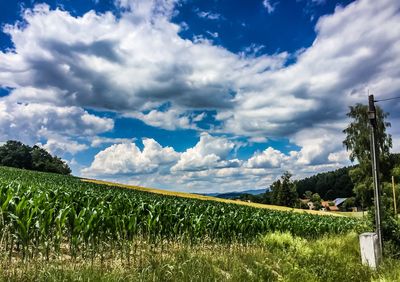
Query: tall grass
{"x": 276, "y": 256}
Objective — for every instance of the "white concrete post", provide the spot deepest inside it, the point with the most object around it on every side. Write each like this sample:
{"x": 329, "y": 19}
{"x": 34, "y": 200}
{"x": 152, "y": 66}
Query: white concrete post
{"x": 370, "y": 253}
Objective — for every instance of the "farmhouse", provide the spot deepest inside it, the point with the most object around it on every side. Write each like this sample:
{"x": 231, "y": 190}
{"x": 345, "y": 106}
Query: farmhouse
{"x": 333, "y": 205}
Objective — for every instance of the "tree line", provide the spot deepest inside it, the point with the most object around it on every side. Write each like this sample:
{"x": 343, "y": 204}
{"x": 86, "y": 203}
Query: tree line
{"x": 16, "y": 154}
{"x": 353, "y": 182}
{"x": 356, "y": 181}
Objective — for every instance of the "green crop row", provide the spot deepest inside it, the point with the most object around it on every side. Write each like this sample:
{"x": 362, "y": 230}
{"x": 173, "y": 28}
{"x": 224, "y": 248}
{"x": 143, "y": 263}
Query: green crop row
{"x": 42, "y": 213}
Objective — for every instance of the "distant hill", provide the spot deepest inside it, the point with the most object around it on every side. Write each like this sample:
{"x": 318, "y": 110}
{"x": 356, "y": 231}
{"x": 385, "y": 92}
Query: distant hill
{"x": 329, "y": 185}
{"x": 236, "y": 194}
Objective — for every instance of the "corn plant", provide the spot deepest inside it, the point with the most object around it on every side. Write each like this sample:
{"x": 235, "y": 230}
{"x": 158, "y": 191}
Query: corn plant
{"x": 43, "y": 213}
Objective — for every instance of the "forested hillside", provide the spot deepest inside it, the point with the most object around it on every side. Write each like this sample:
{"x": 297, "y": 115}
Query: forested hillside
{"x": 329, "y": 185}
{"x": 338, "y": 184}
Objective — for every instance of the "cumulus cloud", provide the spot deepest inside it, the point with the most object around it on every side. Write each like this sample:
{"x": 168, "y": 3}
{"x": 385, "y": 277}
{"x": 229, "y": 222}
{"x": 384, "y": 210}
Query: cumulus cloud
{"x": 127, "y": 158}
{"x": 355, "y": 49}
{"x": 317, "y": 143}
{"x": 209, "y": 152}
{"x": 100, "y": 61}
{"x": 270, "y": 158}
{"x": 30, "y": 122}
{"x": 60, "y": 146}
{"x": 148, "y": 10}
{"x": 125, "y": 64}
{"x": 137, "y": 62}
{"x": 122, "y": 64}
{"x": 207, "y": 166}
{"x": 171, "y": 119}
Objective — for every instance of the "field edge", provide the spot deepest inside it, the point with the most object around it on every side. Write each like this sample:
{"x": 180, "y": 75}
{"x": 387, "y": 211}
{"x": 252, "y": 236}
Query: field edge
{"x": 208, "y": 198}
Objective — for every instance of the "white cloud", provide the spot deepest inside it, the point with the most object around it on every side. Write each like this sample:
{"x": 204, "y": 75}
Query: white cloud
{"x": 316, "y": 144}
{"x": 125, "y": 64}
{"x": 62, "y": 64}
{"x": 171, "y": 119}
{"x": 209, "y": 152}
{"x": 209, "y": 15}
{"x": 356, "y": 49}
{"x": 98, "y": 141}
{"x": 103, "y": 62}
{"x": 148, "y": 10}
{"x": 270, "y": 158}
{"x": 29, "y": 122}
{"x": 267, "y": 5}
{"x": 213, "y": 34}
{"x": 339, "y": 157}
{"x": 208, "y": 166}
{"x": 127, "y": 158}
{"x": 60, "y": 146}
{"x": 258, "y": 139}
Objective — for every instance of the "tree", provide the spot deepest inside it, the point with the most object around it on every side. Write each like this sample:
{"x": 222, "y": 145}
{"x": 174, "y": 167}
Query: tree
{"x": 284, "y": 191}
{"x": 308, "y": 194}
{"x": 19, "y": 155}
{"x": 348, "y": 204}
{"x": 43, "y": 161}
{"x": 15, "y": 154}
{"x": 358, "y": 134}
{"x": 358, "y": 143}
{"x": 316, "y": 200}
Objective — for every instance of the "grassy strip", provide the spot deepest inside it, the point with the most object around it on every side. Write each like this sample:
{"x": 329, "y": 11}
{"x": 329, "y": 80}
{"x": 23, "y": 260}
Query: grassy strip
{"x": 274, "y": 257}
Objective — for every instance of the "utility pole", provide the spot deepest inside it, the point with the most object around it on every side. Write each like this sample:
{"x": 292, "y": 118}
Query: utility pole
{"x": 394, "y": 197}
{"x": 375, "y": 170}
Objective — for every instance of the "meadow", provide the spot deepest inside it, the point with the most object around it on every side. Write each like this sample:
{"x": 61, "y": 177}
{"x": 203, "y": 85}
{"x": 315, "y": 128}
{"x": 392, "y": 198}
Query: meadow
{"x": 57, "y": 227}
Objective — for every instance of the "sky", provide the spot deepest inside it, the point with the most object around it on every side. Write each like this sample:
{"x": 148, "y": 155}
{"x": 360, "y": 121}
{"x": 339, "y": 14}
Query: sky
{"x": 195, "y": 96}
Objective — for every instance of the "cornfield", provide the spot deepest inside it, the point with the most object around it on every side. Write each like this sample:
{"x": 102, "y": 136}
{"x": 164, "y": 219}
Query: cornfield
{"x": 43, "y": 214}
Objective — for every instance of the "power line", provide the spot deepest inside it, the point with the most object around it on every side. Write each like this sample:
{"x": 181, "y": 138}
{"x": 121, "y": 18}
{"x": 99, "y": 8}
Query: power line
{"x": 388, "y": 99}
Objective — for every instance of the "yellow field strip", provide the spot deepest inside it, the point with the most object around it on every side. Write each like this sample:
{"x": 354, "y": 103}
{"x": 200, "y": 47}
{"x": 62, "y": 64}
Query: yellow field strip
{"x": 208, "y": 198}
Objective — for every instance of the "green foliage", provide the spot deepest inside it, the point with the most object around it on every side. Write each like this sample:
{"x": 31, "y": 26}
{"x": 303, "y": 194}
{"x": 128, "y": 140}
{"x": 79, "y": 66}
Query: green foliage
{"x": 363, "y": 188}
{"x": 349, "y": 203}
{"x": 316, "y": 200}
{"x": 358, "y": 142}
{"x": 330, "y": 258}
{"x": 396, "y": 171}
{"x": 16, "y": 154}
{"x": 390, "y": 223}
{"x": 284, "y": 191}
{"x": 42, "y": 212}
{"x": 329, "y": 185}
{"x": 264, "y": 198}
{"x": 43, "y": 161}
{"x": 308, "y": 194}
{"x": 358, "y": 134}
{"x": 277, "y": 256}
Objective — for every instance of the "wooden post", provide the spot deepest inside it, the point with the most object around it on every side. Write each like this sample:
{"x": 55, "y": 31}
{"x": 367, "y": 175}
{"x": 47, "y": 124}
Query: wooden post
{"x": 394, "y": 196}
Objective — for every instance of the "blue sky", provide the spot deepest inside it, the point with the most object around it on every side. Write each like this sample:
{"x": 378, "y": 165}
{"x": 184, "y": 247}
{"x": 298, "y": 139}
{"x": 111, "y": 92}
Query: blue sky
{"x": 197, "y": 96}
